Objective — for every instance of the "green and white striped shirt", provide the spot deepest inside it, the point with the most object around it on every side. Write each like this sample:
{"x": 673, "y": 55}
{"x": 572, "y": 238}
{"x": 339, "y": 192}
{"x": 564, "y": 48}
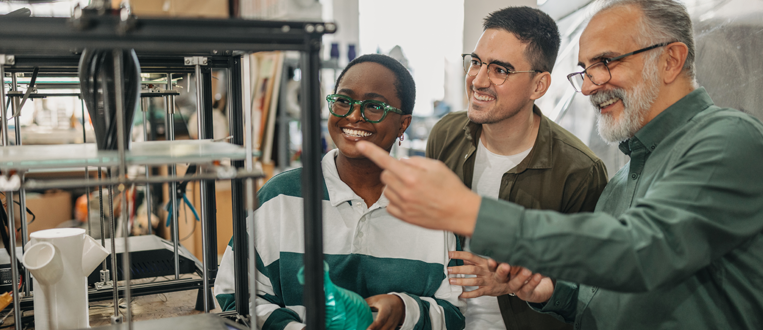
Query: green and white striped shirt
{"x": 368, "y": 252}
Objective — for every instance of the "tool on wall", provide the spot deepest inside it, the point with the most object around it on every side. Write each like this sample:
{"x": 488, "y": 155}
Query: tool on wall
{"x": 181, "y": 193}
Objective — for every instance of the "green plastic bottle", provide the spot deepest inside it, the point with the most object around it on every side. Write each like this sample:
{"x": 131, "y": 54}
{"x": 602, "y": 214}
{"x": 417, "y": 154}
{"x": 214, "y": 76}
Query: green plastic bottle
{"x": 345, "y": 310}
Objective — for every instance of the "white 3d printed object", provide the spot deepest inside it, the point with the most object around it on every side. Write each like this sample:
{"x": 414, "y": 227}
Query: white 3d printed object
{"x": 60, "y": 260}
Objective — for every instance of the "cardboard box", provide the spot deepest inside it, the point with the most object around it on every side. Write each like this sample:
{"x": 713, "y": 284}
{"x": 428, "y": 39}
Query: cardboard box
{"x": 50, "y": 210}
{"x": 177, "y": 8}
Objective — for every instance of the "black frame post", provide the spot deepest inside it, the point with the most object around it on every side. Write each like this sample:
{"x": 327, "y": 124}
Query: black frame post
{"x": 210, "y": 213}
{"x": 236, "y": 127}
{"x": 312, "y": 185}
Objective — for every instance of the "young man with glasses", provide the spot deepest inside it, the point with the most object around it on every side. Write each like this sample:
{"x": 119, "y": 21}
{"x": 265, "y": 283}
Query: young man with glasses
{"x": 503, "y": 147}
{"x": 676, "y": 241}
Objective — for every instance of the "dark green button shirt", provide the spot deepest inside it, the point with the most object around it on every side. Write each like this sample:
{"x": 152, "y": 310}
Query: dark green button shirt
{"x": 559, "y": 174}
{"x": 676, "y": 240}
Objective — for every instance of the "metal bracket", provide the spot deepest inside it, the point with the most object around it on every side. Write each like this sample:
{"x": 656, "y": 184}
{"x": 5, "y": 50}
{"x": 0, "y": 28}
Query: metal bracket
{"x": 10, "y": 183}
{"x": 225, "y": 171}
{"x": 196, "y": 60}
{"x": 127, "y": 21}
{"x": 315, "y": 28}
{"x": 105, "y": 282}
{"x": 80, "y": 19}
{"x": 116, "y": 319}
{"x": 7, "y": 59}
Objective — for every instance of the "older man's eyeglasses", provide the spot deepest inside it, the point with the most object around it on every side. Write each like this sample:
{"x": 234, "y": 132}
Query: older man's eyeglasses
{"x": 495, "y": 72}
{"x": 372, "y": 111}
{"x": 598, "y": 73}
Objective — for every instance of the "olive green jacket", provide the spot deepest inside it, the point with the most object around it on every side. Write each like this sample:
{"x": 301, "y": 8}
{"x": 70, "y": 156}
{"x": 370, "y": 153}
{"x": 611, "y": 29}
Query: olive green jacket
{"x": 676, "y": 241}
{"x": 560, "y": 174}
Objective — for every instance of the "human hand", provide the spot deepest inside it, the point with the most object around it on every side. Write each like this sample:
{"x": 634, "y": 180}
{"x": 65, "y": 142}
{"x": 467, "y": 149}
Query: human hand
{"x": 534, "y": 288}
{"x": 425, "y": 192}
{"x": 390, "y": 311}
{"x": 491, "y": 280}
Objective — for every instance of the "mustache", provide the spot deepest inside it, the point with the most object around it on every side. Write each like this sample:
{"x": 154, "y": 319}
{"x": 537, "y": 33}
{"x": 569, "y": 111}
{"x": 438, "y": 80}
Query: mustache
{"x": 483, "y": 91}
{"x": 603, "y": 96}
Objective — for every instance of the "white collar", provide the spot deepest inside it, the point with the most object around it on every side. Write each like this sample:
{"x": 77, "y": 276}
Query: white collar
{"x": 339, "y": 191}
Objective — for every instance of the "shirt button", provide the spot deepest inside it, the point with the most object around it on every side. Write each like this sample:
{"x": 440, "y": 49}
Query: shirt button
{"x": 634, "y": 176}
{"x": 653, "y": 146}
{"x": 556, "y": 303}
{"x": 593, "y": 289}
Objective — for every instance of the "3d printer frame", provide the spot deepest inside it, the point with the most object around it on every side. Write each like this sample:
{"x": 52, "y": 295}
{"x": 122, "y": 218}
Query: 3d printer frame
{"x": 50, "y": 42}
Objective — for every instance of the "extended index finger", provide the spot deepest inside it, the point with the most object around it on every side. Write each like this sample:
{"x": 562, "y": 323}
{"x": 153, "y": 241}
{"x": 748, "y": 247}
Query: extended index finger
{"x": 382, "y": 158}
{"x": 466, "y": 256}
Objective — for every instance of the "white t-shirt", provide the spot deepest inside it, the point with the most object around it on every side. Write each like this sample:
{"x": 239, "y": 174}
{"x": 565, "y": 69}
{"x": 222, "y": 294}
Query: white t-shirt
{"x": 489, "y": 168}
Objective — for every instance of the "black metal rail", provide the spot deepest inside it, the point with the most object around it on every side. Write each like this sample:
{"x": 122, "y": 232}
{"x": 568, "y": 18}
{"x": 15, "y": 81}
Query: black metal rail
{"x": 142, "y": 289}
{"x": 312, "y": 190}
{"x": 40, "y": 35}
{"x": 236, "y": 115}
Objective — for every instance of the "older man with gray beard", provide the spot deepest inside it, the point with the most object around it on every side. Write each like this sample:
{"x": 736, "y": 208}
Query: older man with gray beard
{"x": 637, "y": 102}
{"x": 676, "y": 241}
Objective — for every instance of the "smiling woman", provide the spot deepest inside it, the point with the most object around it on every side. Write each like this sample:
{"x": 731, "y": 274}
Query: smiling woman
{"x": 398, "y": 268}
{"x": 368, "y": 79}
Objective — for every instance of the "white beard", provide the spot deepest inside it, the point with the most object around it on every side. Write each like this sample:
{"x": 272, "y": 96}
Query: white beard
{"x": 637, "y": 103}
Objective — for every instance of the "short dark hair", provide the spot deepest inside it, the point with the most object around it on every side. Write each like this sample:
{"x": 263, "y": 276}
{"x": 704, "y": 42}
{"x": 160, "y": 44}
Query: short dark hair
{"x": 530, "y": 26}
{"x": 404, "y": 84}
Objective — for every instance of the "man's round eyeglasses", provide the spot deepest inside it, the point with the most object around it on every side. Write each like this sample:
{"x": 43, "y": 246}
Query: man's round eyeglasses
{"x": 598, "y": 73}
{"x": 372, "y": 111}
{"x": 495, "y": 72}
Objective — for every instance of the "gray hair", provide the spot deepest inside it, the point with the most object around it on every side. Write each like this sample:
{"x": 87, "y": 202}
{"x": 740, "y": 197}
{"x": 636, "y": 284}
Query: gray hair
{"x": 663, "y": 21}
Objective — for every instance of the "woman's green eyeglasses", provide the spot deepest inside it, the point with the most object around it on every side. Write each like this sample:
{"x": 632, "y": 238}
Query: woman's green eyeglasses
{"x": 371, "y": 110}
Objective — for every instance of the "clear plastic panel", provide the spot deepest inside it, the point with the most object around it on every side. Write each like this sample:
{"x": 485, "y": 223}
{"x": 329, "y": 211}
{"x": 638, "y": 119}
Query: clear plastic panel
{"x": 140, "y": 153}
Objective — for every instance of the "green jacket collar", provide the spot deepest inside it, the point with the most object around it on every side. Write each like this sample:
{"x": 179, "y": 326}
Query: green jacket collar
{"x": 541, "y": 154}
{"x": 668, "y": 121}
